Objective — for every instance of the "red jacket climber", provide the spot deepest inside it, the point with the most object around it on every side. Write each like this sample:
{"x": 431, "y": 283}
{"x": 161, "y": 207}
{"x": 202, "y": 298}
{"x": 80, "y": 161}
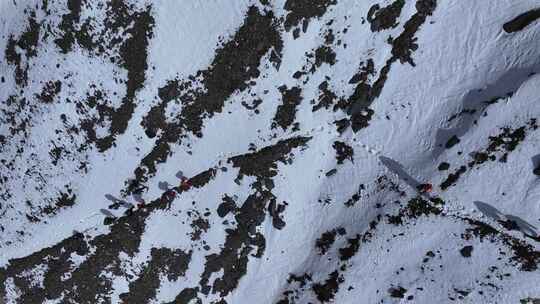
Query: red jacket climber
{"x": 168, "y": 195}
{"x": 424, "y": 188}
{"x": 185, "y": 184}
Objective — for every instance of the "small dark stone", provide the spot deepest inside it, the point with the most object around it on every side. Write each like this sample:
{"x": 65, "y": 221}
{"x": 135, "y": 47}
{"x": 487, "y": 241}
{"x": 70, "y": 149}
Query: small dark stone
{"x": 444, "y": 166}
{"x": 326, "y": 241}
{"x": 108, "y": 221}
{"x": 466, "y": 251}
{"x": 397, "y": 292}
{"x": 331, "y": 172}
{"x": 454, "y": 140}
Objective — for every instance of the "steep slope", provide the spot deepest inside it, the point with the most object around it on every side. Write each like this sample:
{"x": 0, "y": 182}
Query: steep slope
{"x": 269, "y": 151}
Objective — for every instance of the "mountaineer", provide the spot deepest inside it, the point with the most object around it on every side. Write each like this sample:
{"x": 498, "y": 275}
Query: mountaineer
{"x": 424, "y": 188}
{"x": 185, "y": 184}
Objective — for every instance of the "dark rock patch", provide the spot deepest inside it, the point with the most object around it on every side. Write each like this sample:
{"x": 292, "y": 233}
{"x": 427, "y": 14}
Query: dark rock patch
{"x": 454, "y": 140}
{"x": 52, "y": 284}
{"x": 466, "y": 251}
{"x": 262, "y": 163}
{"x": 499, "y": 147}
{"x": 66, "y": 199}
{"x": 508, "y": 140}
{"x": 326, "y": 291}
{"x": 254, "y": 104}
{"x": 443, "y": 166}
{"x": 199, "y": 226}
{"x": 303, "y": 10}
{"x": 326, "y": 97}
{"x": 329, "y": 37}
{"x": 173, "y": 263}
{"x": 503, "y": 143}
{"x": 402, "y": 48}
{"x": 462, "y": 293}
{"x": 384, "y": 182}
{"x": 397, "y": 292}
{"x": 476, "y": 102}
{"x": 524, "y": 254}
{"x": 244, "y": 241}
{"x": 85, "y": 283}
{"x": 480, "y": 229}
{"x": 28, "y": 43}
{"x": 70, "y": 34}
{"x": 286, "y": 112}
{"x": 405, "y": 44}
{"x": 429, "y": 255}
{"x": 342, "y": 125}
{"x": 56, "y": 154}
{"x": 49, "y": 92}
{"x": 323, "y": 54}
{"x": 327, "y": 239}
{"x": 235, "y": 63}
{"x": 453, "y": 178}
{"x": 351, "y": 249}
{"x": 355, "y": 197}
{"x": 227, "y": 206}
{"x": 186, "y": 296}
{"x": 129, "y": 53}
{"x": 133, "y": 54}
{"x": 386, "y": 17}
{"x": 479, "y": 158}
{"x": 343, "y": 152}
{"x": 366, "y": 69}
{"x": 520, "y": 22}
{"x": 299, "y": 285}
{"x": 203, "y": 178}
{"x": 415, "y": 208}
{"x": 240, "y": 244}
{"x": 275, "y": 210}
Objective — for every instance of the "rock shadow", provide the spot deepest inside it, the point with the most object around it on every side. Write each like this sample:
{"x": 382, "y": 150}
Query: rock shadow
{"x": 476, "y": 101}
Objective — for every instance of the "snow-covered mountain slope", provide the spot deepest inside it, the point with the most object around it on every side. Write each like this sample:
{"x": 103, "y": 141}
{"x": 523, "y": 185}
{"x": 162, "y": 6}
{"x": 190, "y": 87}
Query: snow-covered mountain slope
{"x": 269, "y": 151}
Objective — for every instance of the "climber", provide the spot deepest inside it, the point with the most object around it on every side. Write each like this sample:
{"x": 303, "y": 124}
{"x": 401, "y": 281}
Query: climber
{"x": 172, "y": 194}
{"x": 140, "y": 204}
{"x": 424, "y": 188}
{"x": 185, "y": 184}
{"x": 168, "y": 197}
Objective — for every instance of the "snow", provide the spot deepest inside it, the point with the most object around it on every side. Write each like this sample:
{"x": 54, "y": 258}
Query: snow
{"x": 464, "y": 58}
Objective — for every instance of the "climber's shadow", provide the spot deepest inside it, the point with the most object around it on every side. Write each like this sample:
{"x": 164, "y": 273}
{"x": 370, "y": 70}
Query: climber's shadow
{"x": 508, "y": 221}
{"x": 398, "y": 169}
